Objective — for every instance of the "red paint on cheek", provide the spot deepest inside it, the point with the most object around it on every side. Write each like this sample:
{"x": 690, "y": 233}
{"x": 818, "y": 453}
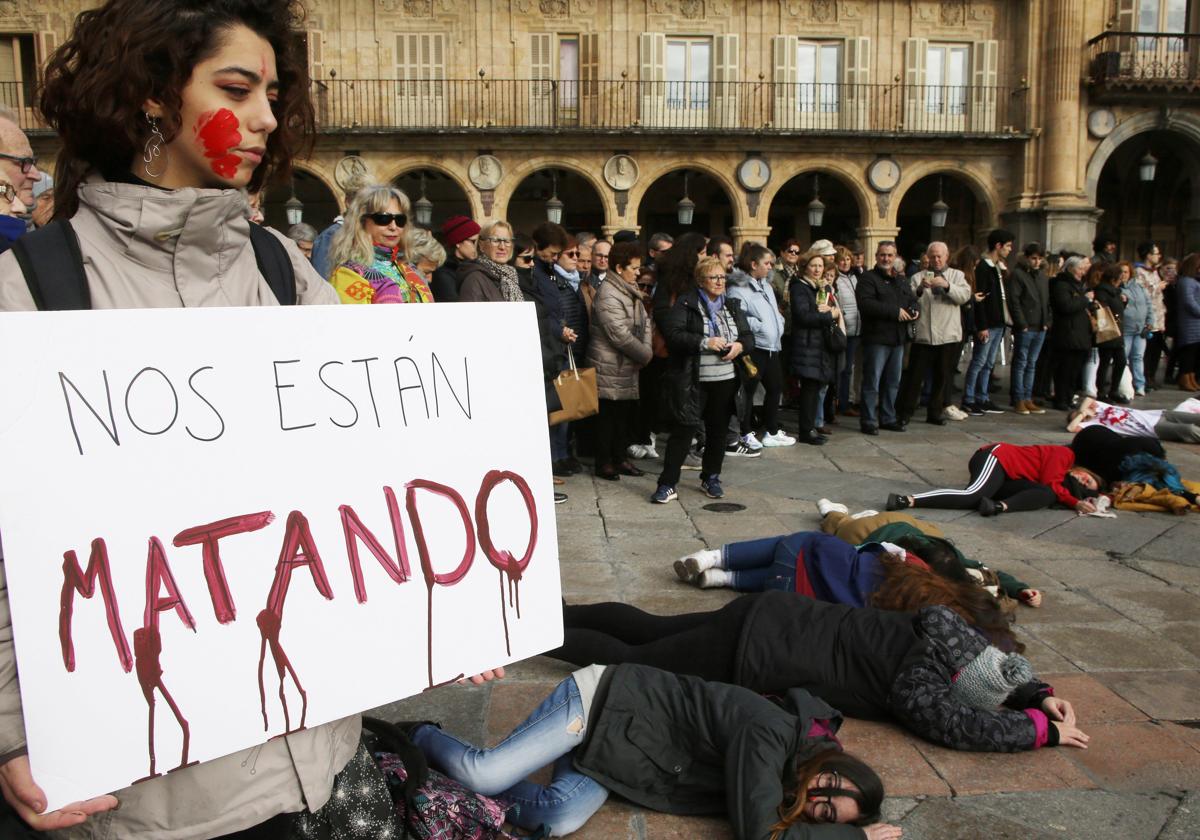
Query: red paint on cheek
{"x": 218, "y": 131}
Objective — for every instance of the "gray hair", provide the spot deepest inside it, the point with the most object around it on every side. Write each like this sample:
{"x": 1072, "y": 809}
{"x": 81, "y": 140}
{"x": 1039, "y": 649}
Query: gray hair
{"x": 489, "y": 228}
{"x": 1073, "y": 262}
{"x": 419, "y": 245}
{"x": 302, "y": 233}
{"x": 936, "y": 244}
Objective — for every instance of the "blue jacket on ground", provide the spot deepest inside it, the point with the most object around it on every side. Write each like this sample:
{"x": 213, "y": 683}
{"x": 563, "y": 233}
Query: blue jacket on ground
{"x": 826, "y": 568}
{"x": 758, "y": 302}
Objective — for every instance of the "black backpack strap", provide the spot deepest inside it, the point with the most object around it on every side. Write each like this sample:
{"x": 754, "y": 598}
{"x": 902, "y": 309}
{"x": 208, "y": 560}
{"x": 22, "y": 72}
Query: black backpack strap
{"x": 53, "y": 267}
{"x": 274, "y": 264}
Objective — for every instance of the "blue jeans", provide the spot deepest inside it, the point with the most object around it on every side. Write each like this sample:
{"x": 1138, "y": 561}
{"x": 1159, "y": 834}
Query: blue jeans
{"x": 1135, "y": 349}
{"x": 882, "y": 366}
{"x": 1027, "y": 346}
{"x": 749, "y": 562}
{"x": 820, "y": 421}
{"x": 979, "y": 372}
{"x": 550, "y": 734}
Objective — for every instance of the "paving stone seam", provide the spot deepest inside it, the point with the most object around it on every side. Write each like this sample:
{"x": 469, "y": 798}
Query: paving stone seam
{"x": 1180, "y": 804}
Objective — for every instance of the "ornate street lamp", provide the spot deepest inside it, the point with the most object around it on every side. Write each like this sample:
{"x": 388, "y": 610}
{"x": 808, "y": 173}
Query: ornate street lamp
{"x": 1147, "y": 168}
{"x": 423, "y": 207}
{"x": 554, "y": 207}
{"x": 940, "y": 210}
{"x": 293, "y": 208}
{"x": 685, "y": 210}
{"x": 816, "y": 210}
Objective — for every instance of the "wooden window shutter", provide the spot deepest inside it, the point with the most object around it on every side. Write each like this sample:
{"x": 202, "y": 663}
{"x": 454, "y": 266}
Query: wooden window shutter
{"x": 541, "y": 75}
{"x": 652, "y": 55}
{"x": 1126, "y": 22}
{"x": 314, "y": 40}
{"x": 784, "y": 80}
{"x": 856, "y": 78}
{"x": 916, "y": 52}
{"x": 47, "y": 43}
{"x": 589, "y": 64}
{"x": 726, "y": 75}
{"x": 985, "y": 71}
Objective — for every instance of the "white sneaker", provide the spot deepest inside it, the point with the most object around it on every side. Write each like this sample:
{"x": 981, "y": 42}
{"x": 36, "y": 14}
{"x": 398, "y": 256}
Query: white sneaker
{"x": 683, "y": 573}
{"x": 699, "y": 561}
{"x": 953, "y": 412}
{"x": 751, "y": 441}
{"x": 778, "y": 439}
{"x": 714, "y": 579}
{"x": 825, "y": 507}
{"x": 635, "y": 450}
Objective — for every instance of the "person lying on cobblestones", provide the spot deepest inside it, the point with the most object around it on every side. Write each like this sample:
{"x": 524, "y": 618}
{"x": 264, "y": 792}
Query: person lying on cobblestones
{"x": 924, "y": 539}
{"x": 879, "y": 574}
{"x": 1006, "y": 477}
{"x": 676, "y": 744}
{"x": 867, "y": 662}
{"x": 1178, "y": 425}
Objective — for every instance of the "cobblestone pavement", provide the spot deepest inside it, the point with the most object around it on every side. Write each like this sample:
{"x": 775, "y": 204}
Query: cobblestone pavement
{"x": 1118, "y": 634}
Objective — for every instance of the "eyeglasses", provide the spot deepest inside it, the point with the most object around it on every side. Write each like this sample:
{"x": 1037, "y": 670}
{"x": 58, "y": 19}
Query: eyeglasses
{"x": 829, "y": 784}
{"x": 793, "y": 251}
{"x": 385, "y": 219}
{"x": 525, "y": 257}
{"x": 26, "y": 163}
{"x": 497, "y": 240}
{"x": 713, "y": 278}
{"x": 8, "y": 192}
{"x": 571, "y": 254}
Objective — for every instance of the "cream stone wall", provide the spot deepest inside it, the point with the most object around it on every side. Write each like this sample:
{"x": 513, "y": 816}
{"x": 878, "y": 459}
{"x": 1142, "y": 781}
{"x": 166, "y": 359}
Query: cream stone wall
{"x": 1041, "y": 177}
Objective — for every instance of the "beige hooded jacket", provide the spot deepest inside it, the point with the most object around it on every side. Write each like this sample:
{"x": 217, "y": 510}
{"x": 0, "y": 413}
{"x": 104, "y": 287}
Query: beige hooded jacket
{"x": 148, "y": 248}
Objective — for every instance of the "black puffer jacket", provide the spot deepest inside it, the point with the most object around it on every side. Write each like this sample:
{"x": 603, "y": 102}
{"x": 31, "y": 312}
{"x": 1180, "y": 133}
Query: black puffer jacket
{"x": 1072, "y": 329}
{"x": 876, "y": 663}
{"x": 1110, "y": 296}
{"x": 683, "y": 329}
{"x": 989, "y": 312}
{"x": 880, "y": 299}
{"x": 811, "y": 356}
{"x": 1028, "y": 297}
{"x": 681, "y": 745}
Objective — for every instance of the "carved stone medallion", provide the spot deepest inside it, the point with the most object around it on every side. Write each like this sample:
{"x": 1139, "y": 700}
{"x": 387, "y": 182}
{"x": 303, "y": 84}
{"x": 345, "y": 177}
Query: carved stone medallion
{"x": 621, "y": 172}
{"x": 691, "y": 9}
{"x": 351, "y": 173}
{"x": 824, "y": 11}
{"x": 554, "y": 8}
{"x": 485, "y": 172}
{"x": 952, "y": 13}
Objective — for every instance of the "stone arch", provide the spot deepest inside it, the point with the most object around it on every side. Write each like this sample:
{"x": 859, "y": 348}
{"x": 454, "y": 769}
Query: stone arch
{"x": 984, "y": 190}
{"x": 649, "y": 176}
{"x": 313, "y": 169}
{"x": 514, "y": 177}
{"x": 847, "y": 176}
{"x": 457, "y": 176}
{"x": 1186, "y": 125}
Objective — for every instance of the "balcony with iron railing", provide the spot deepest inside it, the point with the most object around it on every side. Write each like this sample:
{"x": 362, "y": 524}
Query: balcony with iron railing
{"x": 622, "y": 106}
{"x": 1133, "y": 65}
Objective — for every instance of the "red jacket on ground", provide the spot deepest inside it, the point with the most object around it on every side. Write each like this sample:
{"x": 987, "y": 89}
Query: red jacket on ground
{"x": 1046, "y": 465}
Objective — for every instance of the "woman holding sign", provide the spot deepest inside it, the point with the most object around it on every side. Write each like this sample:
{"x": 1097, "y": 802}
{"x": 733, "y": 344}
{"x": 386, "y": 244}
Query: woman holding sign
{"x": 167, "y": 112}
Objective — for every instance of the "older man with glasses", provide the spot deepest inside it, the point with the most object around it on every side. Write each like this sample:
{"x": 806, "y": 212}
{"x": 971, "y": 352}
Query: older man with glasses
{"x": 18, "y": 164}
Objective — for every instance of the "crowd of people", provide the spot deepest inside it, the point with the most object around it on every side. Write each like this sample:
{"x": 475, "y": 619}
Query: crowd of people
{"x": 693, "y": 339}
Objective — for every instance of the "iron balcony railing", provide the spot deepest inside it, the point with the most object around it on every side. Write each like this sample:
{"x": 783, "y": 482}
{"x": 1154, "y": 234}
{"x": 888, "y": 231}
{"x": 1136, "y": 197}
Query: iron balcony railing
{"x": 20, "y": 98}
{"x": 1144, "y": 59}
{"x": 523, "y": 105}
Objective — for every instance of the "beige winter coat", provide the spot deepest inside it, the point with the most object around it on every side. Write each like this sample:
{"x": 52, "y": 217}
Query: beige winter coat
{"x": 149, "y": 248}
{"x": 941, "y": 310}
{"x": 620, "y": 339}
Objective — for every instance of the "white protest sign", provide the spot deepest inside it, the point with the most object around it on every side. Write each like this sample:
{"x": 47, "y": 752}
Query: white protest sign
{"x": 282, "y": 516}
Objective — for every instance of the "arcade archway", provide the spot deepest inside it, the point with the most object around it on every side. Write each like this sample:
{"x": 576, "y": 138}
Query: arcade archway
{"x": 789, "y": 216}
{"x": 1159, "y": 210}
{"x": 319, "y": 207}
{"x": 582, "y": 208}
{"x": 967, "y": 218}
{"x": 658, "y": 211}
{"x": 444, "y": 192}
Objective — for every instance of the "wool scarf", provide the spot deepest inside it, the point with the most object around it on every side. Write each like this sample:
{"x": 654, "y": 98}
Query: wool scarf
{"x": 505, "y": 275}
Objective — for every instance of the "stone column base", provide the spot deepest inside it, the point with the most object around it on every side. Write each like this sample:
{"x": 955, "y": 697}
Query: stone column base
{"x": 748, "y": 233}
{"x": 1056, "y": 228}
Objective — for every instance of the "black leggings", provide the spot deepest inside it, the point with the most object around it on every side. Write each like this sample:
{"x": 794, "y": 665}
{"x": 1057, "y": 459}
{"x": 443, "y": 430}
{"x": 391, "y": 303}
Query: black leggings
{"x": 989, "y": 481}
{"x": 701, "y": 644}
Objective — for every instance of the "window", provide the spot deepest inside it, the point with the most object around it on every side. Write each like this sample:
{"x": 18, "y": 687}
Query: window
{"x": 1169, "y": 16}
{"x": 688, "y": 72}
{"x": 568, "y": 72}
{"x": 946, "y": 79}
{"x": 421, "y": 79}
{"x": 818, "y": 74}
{"x": 18, "y": 70}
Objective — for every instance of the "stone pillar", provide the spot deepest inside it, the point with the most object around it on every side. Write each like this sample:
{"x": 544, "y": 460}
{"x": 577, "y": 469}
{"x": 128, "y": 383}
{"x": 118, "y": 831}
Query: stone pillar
{"x": 870, "y": 237}
{"x": 608, "y": 231}
{"x": 748, "y": 233}
{"x": 1070, "y": 220}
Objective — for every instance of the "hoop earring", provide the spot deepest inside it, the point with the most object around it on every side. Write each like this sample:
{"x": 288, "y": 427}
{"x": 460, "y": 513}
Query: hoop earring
{"x": 154, "y": 148}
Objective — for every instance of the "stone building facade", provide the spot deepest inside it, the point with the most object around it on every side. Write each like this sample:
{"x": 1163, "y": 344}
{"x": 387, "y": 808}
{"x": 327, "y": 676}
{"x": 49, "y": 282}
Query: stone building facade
{"x": 1036, "y": 114}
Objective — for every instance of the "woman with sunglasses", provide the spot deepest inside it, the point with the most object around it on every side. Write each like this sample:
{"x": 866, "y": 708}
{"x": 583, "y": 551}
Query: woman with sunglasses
{"x": 489, "y": 277}
{"x": 368, "y": 251}
{"x": 705, "y": 332}
{"x": 675, "y": 744}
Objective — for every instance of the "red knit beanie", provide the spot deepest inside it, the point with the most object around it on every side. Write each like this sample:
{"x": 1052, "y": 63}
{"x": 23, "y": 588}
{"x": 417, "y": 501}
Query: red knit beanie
{"x": 456, "y": 229}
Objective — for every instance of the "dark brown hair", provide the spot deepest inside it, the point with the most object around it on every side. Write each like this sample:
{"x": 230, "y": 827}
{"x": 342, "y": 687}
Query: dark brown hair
{"x": 907, "y": 588}
{"x": 869, "y": 795}
{"x": 127, "y": 51}
{"x": 1189, "y": 266}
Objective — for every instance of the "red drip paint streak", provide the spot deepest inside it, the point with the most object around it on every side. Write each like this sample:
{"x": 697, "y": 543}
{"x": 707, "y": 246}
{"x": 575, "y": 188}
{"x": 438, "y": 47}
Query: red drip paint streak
{"x": 218, "y": 131}
{"x": 298, "y": 550}
{"x": 503, "y": 559}
{"x": 147, "y": 644}
{"x": 431, "y": 577}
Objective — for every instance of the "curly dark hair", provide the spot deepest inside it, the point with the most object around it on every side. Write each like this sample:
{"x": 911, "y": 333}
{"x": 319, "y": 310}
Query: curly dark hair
{"x": 127, "y": 51}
